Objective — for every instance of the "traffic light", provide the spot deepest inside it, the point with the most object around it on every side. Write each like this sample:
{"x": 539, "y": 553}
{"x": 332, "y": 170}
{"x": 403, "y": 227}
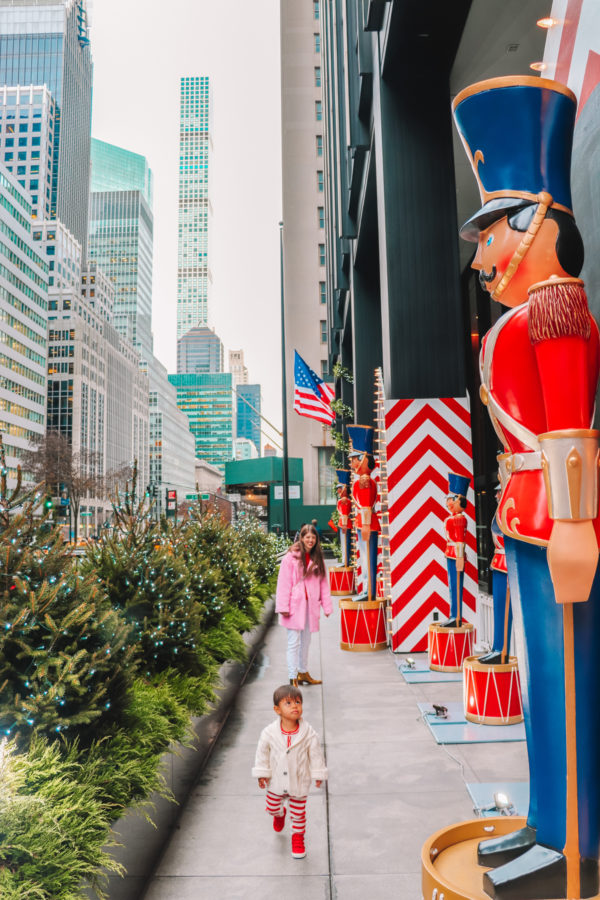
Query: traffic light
{"x": 48, "y": 503}
{"x": 171, "y": 505}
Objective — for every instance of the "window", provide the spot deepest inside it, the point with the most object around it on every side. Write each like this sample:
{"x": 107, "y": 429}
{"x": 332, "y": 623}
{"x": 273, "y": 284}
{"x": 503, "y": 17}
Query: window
{"x": 316, "y": 10}
{"x": 317, "y": 38}
{"x": 324, "y": 369}
{"x": 319, "y": 145}
{"x": 23, "y": 128}
{"x": 8, "y": 156}
{"x": 22, "y": 142}
{"x": 327, "y": 476}
{"x": 321, "y": 215}
{"x": 317, "y": 76}
{"x": 9, "y": 142}
{"x": 321, "y": 254}
{"x": 318, "y": 110}
{"x": 322, "y": 292}
{"x": 323, "y": 324}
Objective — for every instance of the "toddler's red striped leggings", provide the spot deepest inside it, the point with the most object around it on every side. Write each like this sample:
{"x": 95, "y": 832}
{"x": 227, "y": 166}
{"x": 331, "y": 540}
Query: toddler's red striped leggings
{"x": 276, "y": 806}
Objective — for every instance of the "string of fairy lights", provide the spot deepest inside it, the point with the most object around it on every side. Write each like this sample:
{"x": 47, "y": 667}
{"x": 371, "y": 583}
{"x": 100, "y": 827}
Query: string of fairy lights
{"x": 381, "y": 451}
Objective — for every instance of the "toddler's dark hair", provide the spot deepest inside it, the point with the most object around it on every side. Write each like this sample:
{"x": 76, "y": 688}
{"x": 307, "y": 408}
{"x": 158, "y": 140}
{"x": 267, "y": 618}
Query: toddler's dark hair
{"x": 286, "y": 690}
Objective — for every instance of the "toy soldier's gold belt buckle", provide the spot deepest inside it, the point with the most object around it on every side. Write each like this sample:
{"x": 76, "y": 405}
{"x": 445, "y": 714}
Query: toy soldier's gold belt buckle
{"x": 528, "y": 461}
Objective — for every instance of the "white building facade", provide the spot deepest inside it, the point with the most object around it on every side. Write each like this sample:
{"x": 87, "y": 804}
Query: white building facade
{"x": 304, "y": 233}
{"x": 23, "y": 325}
{"x": 193, "y": 272}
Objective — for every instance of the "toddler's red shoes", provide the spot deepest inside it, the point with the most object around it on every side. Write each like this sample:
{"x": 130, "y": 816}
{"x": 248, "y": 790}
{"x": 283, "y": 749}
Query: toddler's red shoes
{"x": 298, "y": 848}
{"x": 279, "y": 821}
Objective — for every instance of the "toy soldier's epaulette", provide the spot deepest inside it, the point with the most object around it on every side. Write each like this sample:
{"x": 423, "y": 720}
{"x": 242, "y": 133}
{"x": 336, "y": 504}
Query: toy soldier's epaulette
{"x": 558, "y": 308}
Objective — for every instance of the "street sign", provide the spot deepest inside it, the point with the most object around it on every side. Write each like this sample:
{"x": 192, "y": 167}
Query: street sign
{"x": 293, "y": 492}
{"x": 204, "y": 496}
{"x": 191, "y": 496}
{"x": 85, "y": 514}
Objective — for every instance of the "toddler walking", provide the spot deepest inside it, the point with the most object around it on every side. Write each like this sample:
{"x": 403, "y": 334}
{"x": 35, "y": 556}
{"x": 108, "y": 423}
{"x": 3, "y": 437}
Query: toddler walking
{"x": 288, "y": 757}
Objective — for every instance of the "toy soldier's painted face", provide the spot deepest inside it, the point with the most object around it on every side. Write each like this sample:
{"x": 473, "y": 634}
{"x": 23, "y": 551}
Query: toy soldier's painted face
{"x": 454, "y": 505}
{"x": 496, "y": 248}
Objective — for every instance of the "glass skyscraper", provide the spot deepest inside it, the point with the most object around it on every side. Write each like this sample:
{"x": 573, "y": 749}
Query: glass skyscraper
{"x": 248, "y": 413}
{"x": 207, "y": 402}
{"x": 116, "y": 169}
{"x": 120, "y": 242}
{"x": 199, "y": 351}
{"x": 193, "y": 274}
{"x": 46, "y": 42}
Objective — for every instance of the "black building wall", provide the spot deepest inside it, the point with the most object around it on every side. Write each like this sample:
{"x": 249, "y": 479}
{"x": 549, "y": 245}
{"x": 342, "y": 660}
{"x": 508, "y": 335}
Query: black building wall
{"x": 394, "y": 282}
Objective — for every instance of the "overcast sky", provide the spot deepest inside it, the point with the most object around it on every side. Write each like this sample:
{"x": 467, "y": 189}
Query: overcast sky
{"x": 139, "y": 55}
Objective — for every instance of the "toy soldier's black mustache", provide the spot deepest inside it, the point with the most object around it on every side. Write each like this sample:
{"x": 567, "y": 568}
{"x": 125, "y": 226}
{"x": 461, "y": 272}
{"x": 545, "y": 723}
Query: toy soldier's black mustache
{"x": 486, "y": 277}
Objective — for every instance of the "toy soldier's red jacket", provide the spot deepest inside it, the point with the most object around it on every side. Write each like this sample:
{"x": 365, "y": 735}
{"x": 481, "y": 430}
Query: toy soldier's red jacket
{"x": 365, "y": 497}
{"x": 534, "y": 384}
{"x": 456, "y": 533}
{"x": 344, "y": 508}
{"x": 498, "y": 563}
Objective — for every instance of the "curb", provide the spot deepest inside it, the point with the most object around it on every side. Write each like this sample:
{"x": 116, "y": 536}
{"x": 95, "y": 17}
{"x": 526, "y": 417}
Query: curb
{"x": 142, "y": 843}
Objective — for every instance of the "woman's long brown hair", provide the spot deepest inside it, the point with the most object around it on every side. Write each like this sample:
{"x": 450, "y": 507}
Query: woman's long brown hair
{"x": 317, "y": 563}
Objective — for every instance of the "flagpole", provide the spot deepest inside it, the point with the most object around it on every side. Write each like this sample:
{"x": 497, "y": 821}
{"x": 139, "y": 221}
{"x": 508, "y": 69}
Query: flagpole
{"x": 284, "y": 473}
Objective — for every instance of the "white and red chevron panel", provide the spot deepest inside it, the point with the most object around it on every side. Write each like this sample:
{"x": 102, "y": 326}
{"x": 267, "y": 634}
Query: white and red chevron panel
{"x": 425, "y": 440}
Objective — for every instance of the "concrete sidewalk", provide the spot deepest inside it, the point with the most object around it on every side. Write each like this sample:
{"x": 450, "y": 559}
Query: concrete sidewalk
{"x": 390, "y": 786}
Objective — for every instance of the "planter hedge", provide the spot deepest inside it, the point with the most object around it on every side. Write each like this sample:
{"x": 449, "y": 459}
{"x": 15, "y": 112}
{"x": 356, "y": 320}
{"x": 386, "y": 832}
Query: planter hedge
{"x": 103, "y": 663}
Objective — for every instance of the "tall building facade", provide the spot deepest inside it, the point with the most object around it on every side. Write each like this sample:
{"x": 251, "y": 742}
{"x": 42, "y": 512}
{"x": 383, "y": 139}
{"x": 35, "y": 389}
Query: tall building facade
{"x": 23, "y": 324}
{"x": 27, "y": 142}
{"x": 304, "y": 232}
{"x": 239, "y": 372}
{"x": 47, "y": 42}
{"x": 199, "y": 351}
{"x": 172, "y": 444}
{"x": 117, "y": 169}
{"x": 193, "y": 273}
{"x": 97, "y": 396}
{"x": 207, "y": 402}
{"x": 248, "y": 413}
{"x": 121, "y": 243}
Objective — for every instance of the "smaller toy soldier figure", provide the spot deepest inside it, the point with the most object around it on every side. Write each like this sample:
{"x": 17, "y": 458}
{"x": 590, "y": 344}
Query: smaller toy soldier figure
{"x": 501, "y": 599}
{"x": 344, "y": 508}
{"x": 456, "y": 536}
{"x": 364, "y": 493}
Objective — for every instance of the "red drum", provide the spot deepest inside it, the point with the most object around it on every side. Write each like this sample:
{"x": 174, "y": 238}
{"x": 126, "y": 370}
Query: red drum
{"x": 448, "y": 647}
{"x": 341, "y": 581}
{"x": 363, "y": 625}
{"x": 492, "y": 694}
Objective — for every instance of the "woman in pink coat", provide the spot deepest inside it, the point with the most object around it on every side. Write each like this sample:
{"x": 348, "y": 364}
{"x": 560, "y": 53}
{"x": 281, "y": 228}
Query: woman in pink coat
{"x": 302, "y": 589}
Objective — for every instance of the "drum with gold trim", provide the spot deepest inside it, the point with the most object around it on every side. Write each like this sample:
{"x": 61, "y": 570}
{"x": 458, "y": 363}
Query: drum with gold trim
{"x": 448, "y": 647}
{"x": 492, "y": 694}
{"x": 341, "y": 581}
{"x": 362, "y": 625}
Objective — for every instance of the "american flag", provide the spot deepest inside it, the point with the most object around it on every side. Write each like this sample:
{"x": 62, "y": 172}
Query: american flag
{"x": 312, "y": 397}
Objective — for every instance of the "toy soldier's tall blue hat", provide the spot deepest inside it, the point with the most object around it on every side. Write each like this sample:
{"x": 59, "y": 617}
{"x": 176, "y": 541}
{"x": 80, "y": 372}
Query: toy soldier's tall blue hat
{"x": 343, "y": 476}
{"x": 458, "y": 484}
{"x": 362, "y": 439}
{"x": 517, "y": 132}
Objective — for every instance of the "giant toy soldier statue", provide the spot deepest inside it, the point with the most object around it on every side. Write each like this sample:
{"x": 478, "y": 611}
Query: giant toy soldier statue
{"x": 344, "y": 508}
{"x": 539, "y": 368}
{"x": 364, "y": 492}
{"x": 455, "y": 527}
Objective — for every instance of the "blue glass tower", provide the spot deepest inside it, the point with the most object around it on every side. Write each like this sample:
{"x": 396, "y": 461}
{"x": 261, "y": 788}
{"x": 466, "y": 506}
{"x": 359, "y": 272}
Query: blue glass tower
{"x": 248, "y": 413}
{"x": 46, "y": 42}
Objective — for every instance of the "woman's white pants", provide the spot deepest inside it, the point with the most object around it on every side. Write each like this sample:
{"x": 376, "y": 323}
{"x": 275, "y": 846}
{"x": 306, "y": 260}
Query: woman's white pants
{"x": 298, "y": 643}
